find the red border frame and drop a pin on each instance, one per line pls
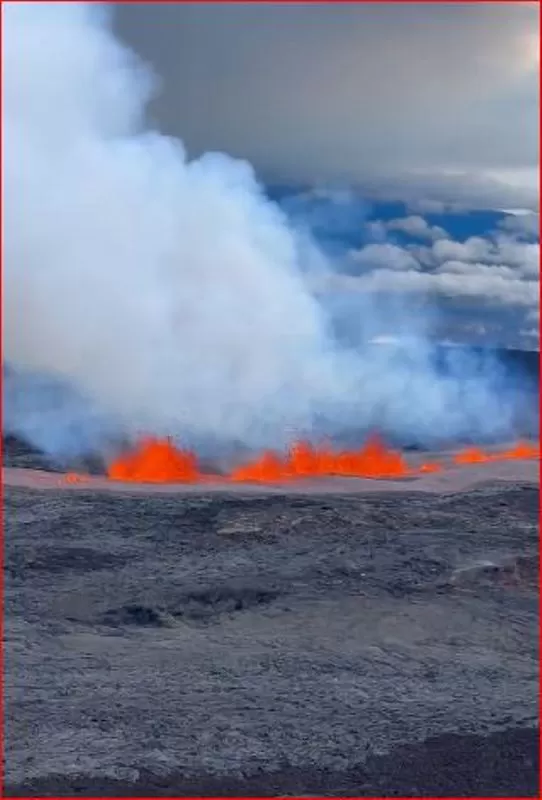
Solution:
(239, 2)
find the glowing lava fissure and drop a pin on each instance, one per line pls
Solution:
(155, 461)
(160, 461)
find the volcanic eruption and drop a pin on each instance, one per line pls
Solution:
(148, 290)
(160, 461)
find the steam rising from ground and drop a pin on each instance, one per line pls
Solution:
(169, 296)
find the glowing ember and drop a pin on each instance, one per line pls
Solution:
(159, 461)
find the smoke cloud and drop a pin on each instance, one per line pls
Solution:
(153, 293)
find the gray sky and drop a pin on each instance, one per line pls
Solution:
(427, 99)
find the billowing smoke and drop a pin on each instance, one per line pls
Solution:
(144, 292)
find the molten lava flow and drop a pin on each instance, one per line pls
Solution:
(374, 460)
(520, 450)
(267, 469)
(159, 461)
(471, 455)
(155, 461)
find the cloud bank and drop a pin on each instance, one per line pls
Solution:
(489, 283)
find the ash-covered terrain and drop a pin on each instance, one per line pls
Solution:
(363, 644)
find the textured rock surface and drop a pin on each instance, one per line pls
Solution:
(363, 644)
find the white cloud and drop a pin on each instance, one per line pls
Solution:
(473, 249)
(521, 224)
(482, 270)
(376, 256)
(417, 227)
(501, 250)
(487, 288)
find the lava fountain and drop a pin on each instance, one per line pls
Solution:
(161, 461)
(155, 461)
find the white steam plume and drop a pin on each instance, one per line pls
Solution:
(168, 293)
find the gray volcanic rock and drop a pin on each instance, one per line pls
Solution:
(227, 645)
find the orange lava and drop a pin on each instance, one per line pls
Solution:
(374, 460)
(471, 455)
(155, 461)
(267, 469)
(520, 450)
(159, 461)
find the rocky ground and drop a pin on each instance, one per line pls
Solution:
(213, 644)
